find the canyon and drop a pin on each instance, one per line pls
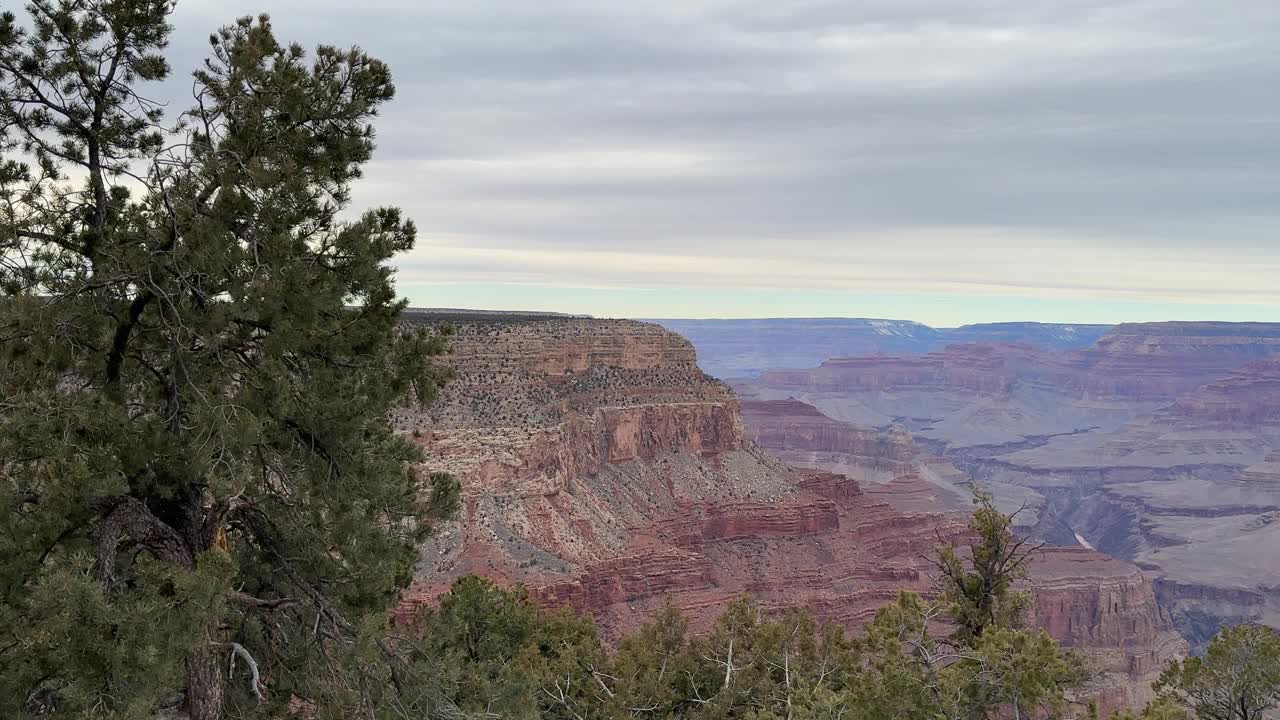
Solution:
(605, 471)
(1158, 444)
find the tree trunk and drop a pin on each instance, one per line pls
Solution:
(205, 683)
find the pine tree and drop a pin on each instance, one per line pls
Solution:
(1237, 678)
(199, 356)
(495, 654)
(653, 669)
(990, 665)
(978, 586)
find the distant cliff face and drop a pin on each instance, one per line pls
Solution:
(1241, 339)
(604, 470)
(989, 369)
(744, 348)
(1157, 445)
(1162, 361)
(1248, 397)
(1139, 363)
(800, 435)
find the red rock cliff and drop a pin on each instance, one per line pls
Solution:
(1107, 610)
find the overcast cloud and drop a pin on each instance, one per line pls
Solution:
(1125, 150)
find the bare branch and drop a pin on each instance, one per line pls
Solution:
(238, 650)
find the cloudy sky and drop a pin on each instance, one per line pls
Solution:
(945, 161)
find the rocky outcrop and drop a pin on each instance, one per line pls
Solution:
(601, 468)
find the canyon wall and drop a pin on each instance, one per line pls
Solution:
(605, 471)
(1163, 361)
(1248, 397)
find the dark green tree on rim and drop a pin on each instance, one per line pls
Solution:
(202, 502)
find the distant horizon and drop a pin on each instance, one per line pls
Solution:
(933, 310)
(557, 313)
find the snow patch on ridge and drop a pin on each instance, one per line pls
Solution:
(895, 327)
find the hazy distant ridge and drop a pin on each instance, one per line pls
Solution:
(742, 348)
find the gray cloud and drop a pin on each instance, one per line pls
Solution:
(819, 138)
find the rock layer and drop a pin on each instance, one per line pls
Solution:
(1106, 610)
(1248, 397)
(800, 435)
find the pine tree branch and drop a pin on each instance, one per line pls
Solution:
(263, 530)
(247, 600)
(43, 237)
(120, 341)
(127, 520)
